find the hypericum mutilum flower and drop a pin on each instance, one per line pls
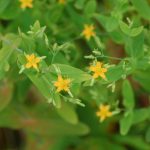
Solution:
(98, 70)
(88, 31)
(104, 112)
(26, 4)
(62, 84)
(32, 61)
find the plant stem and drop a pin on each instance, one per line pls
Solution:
(110, 57)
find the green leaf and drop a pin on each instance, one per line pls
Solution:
(12, 6)
(101, 19)
(136, 31)
(79, 4)
(140, 115)
(54, 14)
(109, 23)
(128, 95)
(6, 90)
(3, 5)
(125, 123)
(130, 31)
(142, 7)
(56, 101)
(140, 144)
(117, 36)
(124, 28)
(115, 73)
(135, 46)
(27, 43)
(112, 24)
(36, 26)
(68, 113)
(75, 74)
(42, 83)
(143, 78)
(138, 46)
(75, 17)
(6, 52)
(90, 8)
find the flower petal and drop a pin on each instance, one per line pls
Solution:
(28, 65)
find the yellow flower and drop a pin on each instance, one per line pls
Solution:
(88, 31)
(104, 112)
(98, 70)
(26, 4)
(32, 61)
(61, 1)
(62, 84)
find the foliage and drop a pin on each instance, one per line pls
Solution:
(76, 39)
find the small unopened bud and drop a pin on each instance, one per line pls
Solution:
(89, 57)
(96, 52)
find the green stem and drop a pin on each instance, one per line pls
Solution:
(110, 57)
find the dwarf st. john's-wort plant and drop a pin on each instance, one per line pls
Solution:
(75, 74)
